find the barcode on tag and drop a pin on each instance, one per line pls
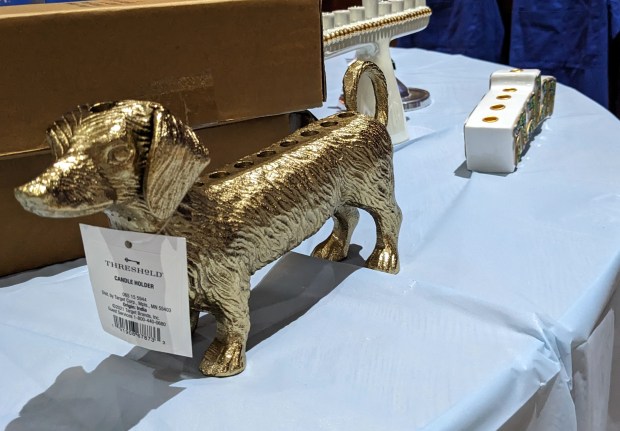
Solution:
(147, 332)
(140, 285)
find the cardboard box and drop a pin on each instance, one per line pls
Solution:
(215, 63)
(208, 61)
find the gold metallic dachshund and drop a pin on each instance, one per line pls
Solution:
(142, 167)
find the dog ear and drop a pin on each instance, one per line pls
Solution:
(175, 160)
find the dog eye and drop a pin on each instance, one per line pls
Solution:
(119, 154)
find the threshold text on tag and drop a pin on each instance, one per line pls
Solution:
(141, 287)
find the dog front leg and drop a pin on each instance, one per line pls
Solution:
(228, 296)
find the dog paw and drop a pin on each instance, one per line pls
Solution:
(331, 249)
(223, 359)
(384, 259)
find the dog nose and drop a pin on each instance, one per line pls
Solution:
(31, 195)
(32, 189)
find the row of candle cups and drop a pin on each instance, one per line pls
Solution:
(369, 9)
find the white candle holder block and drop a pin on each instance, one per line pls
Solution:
(500, 128)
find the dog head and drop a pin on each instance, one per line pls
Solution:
(116, 153)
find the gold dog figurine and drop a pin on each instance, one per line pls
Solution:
(142, 167)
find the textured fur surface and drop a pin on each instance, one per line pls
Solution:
(138, 163)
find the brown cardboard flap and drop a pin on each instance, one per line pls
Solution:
(208, 61)
(25, 153)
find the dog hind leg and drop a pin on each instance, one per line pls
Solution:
(336, 246)
(381, 205)
(384, 257)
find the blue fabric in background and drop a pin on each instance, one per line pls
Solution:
(470, 27)
(568, 39)
(22, 2)
(14, 2)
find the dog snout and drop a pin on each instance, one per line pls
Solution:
(39, 196)
(70, 188)
(32, 196)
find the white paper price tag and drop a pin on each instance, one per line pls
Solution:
(140, 286)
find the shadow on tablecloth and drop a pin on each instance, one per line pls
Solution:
(122, 390)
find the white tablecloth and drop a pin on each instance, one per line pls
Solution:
(502, 315)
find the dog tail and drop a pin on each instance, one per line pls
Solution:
(351, 82)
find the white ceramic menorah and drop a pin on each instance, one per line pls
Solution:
(368, 29)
